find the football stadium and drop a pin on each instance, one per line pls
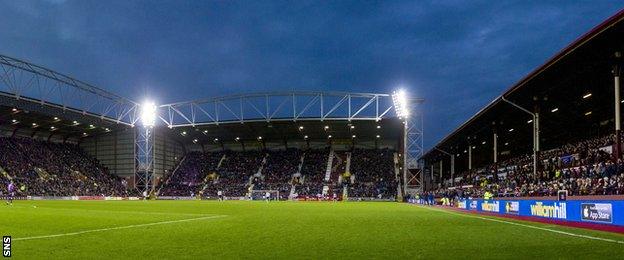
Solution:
(86, 173)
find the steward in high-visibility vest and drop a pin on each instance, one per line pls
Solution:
(488, 195)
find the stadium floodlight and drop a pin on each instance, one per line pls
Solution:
(400, 98)
(148, 113)
(378, 136)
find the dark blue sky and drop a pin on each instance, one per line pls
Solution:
(459, 55)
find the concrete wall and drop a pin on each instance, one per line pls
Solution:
(114, 150)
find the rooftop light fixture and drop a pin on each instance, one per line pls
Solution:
(399, 98)
(148, 113)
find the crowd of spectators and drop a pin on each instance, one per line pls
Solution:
(374, 173)
(310, 183)
(583, 168)
(190, 176)
(235, 173)
(278, 171)
(39, 168)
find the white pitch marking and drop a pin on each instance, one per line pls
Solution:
(115, 211)
(529, 226)
(116, 228)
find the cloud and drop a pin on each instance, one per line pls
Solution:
(458, 55)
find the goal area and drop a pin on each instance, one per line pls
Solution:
(261, 194)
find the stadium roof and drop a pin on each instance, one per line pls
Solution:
(386, 130)
(284, 116)
(37, 101)
(573, 92)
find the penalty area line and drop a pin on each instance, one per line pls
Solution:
(117, 228)
(529, 226)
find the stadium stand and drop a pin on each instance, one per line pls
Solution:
(52, 169)
(562, 115)
(190, 176)
(374, 173)
(583, 168)
(310, 183)
(245, 171)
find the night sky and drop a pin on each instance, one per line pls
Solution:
(458, 55)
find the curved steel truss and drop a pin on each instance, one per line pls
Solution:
(278, 106)
(26, 81)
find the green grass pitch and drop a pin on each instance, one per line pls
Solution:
(281, 230)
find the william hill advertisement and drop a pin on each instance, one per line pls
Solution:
(490, 206)
(608, 212)
(555, 210)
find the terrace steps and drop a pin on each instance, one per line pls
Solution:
(330, 160)
(171, 175)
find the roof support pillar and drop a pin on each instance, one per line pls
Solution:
(452, 170)
(535, 131)
(441, 172)
(618, 121)
(469, 156)
(536, 142)
(452, 165)
(495, 147)
(431, 177)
